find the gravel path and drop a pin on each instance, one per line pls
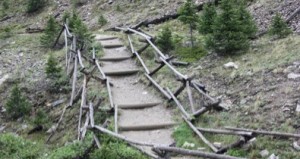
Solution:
(127, 90)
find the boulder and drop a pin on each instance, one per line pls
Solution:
(293, 76)
(264, 153)
(231, 65)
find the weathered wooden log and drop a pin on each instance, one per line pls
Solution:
(80, 60)
(156, 49)
(263, 132)
(212, 147)
(84, 128)
(146, 127)
(66, 47)
(58, 37)
(120, 58)
(109, 94)
(145, 152)
(100, 69)
(201, 111)
(179, 63)
(94, 54)
(194, 153)
(173, 69)
(190, 95)
(142, 62)
(74, 81)
(157, 69)
(202, 92)
(179, 89)
(130, 44)
(121, 72)
(91, 113)
(241, 141)
(83, 103)
(179, 105)
(138, 105)
(166, 94)
(142, 49)
(116, 118)
(226, 132)
(293, 15)
(123, 138)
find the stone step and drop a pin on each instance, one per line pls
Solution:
(120, 58)
(146, 126)
(138, 105)
(105, 37)
(115, 43)
(121, 72)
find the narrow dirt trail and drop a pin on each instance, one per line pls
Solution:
(142, 114)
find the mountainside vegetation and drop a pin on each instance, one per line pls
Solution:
(244, 53)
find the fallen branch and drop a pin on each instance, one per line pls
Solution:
(194, 153)
(200, 135)
(238, 143)
(226, 132)
(262, 132)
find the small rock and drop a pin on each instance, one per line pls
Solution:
(188, 145)
(296, 145)
(273, 157)
(199, 68)
(145, 93)
(231, 65)
(293, 76)
(243, 101)
(264, 153)
(2, 128)
(217, 144)
(52, 129)
(298, 107)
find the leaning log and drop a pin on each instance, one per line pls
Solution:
(226, 132)
(83, 103)
(293, 15)
(262, 132)
(166, 94)
(241, 141)
(179, 105)
(200, 135)
(194, 153)
(123, 138)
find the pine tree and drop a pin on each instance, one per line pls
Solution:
(35, 5)
(279, 27)
(17, 106)
(188, 15)
(50, 33)
(101, 20)
(232, 29)
(164, 40)
(79, 28)
(207, 19)
(53, 71)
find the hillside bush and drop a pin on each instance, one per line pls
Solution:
(232, 28)
(15, 147)
(17, 105)
(207, 19)
(50, 33)
(58, 81)
(279, 27)
(188, 15)
(35, 5)
(115, 149)
(101, 20)
(165, 40)
(189, 54)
